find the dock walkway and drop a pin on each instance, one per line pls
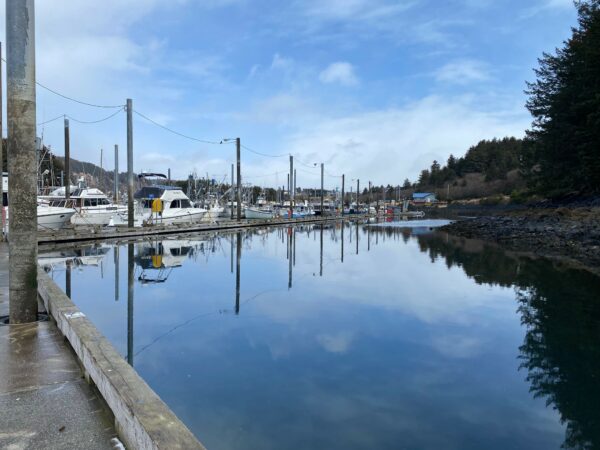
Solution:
(83, 234)
(44, 400)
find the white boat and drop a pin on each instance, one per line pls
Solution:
(92, 206)
(53, 217)
(174, 206)
(48, 217)
(258, 213)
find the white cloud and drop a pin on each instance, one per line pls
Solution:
(353, 9)
(339, 72)
(391, 144)
(463, 72)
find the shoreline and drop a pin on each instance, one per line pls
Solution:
(568, 233)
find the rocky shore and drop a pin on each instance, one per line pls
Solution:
(567, 232)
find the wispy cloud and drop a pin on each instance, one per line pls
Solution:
(339, 72)
(463, 72)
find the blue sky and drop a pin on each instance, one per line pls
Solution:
(375, 89)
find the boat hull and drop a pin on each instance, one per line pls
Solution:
(258, 214)
(54, 218)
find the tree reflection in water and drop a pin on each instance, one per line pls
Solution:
(560, 309)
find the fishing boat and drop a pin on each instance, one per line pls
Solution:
(258, 213)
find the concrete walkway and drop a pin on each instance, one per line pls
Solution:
(44, 401)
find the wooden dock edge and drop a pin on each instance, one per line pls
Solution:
(142, 419)
(105, 234)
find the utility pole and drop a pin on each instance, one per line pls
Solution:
(322, 175)
(343, 192)
(357, 195)
(130, 219)
(231, 192)
(22, 183)
(239, 179)
(67, 160)
(116, 180)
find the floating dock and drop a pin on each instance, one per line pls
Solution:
(86, 234)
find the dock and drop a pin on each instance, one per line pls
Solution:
(87, 234)
(45, 402)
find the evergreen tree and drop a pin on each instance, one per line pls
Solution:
(563, 146)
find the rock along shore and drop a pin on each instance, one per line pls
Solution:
(567, 232)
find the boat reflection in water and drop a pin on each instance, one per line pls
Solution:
(348, 335)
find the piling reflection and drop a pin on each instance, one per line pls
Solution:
(130, 288)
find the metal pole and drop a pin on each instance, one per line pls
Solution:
(239, 179)
(343, 192)
(291, 186)
(357, 195)
(67, 160)
(116, 180)
(294, 185)
(22, 183)
(130, 272)
(130, 219)
(322, 175)
(231, 192)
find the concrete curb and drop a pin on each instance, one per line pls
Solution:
(142, 419)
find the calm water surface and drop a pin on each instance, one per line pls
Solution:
(351, 337)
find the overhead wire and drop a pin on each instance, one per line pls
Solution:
(93, 105)
(204, 141)
(263, 154)
(95, 121)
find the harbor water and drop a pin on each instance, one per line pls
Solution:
(350, 336)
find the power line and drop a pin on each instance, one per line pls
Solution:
(96, 121)
(71, 98)
(51, 120)
(263, 154)
(313, 166)
(267, 175)
(75, 100)
(173, 131)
